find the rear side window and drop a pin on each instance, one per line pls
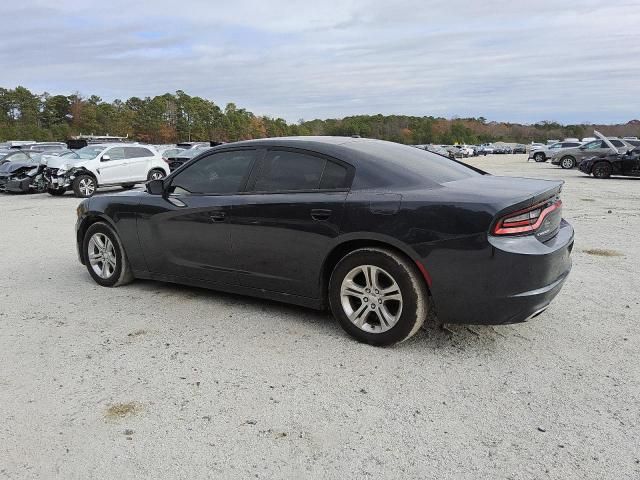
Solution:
(220, 173)
(116, 153)
(294, 171)
(137, 152)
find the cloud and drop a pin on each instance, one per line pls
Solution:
(570, 61)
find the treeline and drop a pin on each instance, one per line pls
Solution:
(176, 117)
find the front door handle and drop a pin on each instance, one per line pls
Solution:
(217, 216)
(320, 214)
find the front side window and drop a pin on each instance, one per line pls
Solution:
(556, 145)
(595, 144)
(116, 153)
(220, 173)
(617, 143)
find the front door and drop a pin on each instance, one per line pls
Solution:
(187, 232)
(284, 226)
(113, 166)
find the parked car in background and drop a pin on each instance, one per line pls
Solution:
(46, 147)
(183, 156)
(485, 149)
(520, 148)
(376, 231)
(166, 153)
(439, 150)
(16, 155)
(103, 165)
(626, 164)
(543, 153)
(24, 173)
(570, 157)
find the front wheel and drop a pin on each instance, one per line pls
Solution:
(567, 162)
(155, 174)
(601, 170)
(84, 186)
(104, 256)
(378, 296)
(539, 157)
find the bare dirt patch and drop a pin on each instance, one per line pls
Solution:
(603, 252)
(122, 410)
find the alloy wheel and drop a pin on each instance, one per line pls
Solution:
(567, 162)
(156, 176)
(371, 299)
(87, 186)
(102, 255)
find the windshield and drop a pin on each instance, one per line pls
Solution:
(69, 155)
(89, 152)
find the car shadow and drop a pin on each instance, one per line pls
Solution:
(432, 334)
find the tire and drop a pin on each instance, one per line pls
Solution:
(56, 192)
(84, 186)
(155, 174)
(539, 157)
(400, 317)
(567, 162)
(601, 170)
(111, 270)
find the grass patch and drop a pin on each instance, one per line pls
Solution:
(603, 252)
(122, 410)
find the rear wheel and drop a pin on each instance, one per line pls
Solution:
(378, 296)
(104, 256)
(567, 162)
(84, 186)
(601, 170)
(155, 174)
(539, 157)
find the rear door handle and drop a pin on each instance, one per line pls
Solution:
(217, 216)
(320, 214)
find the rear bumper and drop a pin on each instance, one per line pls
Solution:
(512, 281)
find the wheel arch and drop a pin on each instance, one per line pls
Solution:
(89, 219)
(352, 243)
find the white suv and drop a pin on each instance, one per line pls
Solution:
(103, 165)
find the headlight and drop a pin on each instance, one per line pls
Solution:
(33, 171)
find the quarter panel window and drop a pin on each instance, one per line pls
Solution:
(220, 173)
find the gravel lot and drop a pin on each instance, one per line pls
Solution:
(160, 381)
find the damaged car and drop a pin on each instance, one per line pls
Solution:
(103, 165)
(625, 162)
(23, 175)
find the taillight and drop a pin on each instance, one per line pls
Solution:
(525, 221)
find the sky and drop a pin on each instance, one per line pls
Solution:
(562, 60)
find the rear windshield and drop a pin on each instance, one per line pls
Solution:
(406, 166)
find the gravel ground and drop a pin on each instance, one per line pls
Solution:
(160, 381)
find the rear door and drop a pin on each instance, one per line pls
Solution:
(187, 234)
(139, 163)
(284, 225)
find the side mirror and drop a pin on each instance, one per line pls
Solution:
(105, 158)
(155, 187)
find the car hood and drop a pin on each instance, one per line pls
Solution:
(57, 162)
(11, 167)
